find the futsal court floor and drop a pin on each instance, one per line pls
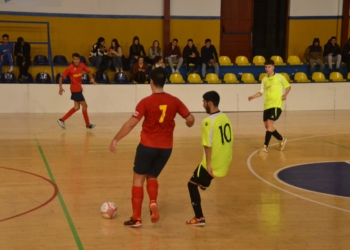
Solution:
(53, 182)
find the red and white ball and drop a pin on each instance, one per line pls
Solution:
(108, 210)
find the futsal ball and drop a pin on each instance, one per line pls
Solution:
(108, 210)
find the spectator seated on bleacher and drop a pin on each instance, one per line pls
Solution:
(154, 51)
(22, 53)
(159, 62)
(191, 56)
(313, 54)
(135, 51)
(346, 55)
(209, 56)
(6, 50)
(139, 71)
(115, 53)
(332, 53)
(173, 56)
(99, 55)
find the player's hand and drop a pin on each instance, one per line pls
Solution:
(23, 63)
(61, 91)
(93, 81)
(210, 170)
(250, 98)
(284, 97)
(189, 123)
(113, 146)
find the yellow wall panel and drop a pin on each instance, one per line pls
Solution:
(302, 33)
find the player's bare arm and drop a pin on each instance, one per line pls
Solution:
(60, 84)
(189, 120)
(125, 129)
(207, 151)
(284, 97)
(92, 79)
(254, 96)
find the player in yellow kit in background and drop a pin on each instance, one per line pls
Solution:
(217, 141)
(273, 86)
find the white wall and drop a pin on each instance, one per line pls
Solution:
(117, 7)
(44, 98)
(316, 8)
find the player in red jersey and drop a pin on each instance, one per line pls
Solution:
(154, 150)
(75, 71)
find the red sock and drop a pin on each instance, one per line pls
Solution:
(136, 200)
(86, 118)
(152, 189)
(70, 112)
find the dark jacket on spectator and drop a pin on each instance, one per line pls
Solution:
(95, 51)
(329, 48)
(136, 50)
(188, 51)
(313, 51)
(24, 50)
(209, 54)
(346, 50)
(169, 51)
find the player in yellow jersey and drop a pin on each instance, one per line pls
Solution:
(217, 141)
(275, 89)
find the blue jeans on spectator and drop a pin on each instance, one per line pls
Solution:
(7, 59)
(117, 63)
(204, 69)
(96, 61)
(132, 62)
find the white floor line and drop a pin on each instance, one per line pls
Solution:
(286, 191)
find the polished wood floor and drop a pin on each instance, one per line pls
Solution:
(53, 182)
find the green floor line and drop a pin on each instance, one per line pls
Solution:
(63, 205)
(337, 145)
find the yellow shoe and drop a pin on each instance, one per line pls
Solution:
(263, 150)
(283, 143)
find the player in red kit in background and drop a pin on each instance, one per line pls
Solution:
(75, 71)
(154, 150)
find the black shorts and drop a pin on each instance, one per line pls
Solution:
(272, 114)
(150, 160)
(77, 96)
(203, 178)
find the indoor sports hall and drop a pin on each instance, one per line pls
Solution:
(53, 181)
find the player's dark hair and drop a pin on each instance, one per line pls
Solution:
(269, 62)
(207, 40)
(158, 76)
(190, 40)
(175, 39)
(5, 35)
(75, 55)
(212, 96)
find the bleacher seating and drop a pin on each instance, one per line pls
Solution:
(286, 76)
(102, 78)
(43, 77)
(29, 78)
(301, 77)
(230, 78)
(242, 61)
(259, 60)
(336, 77)
(82, 59)
(40, 60)
(278, 60)
(121, 78)
(212, 78)
(194, 78)
(248, 78)
(60, 60)
(318, 77)
(176, 78)
(261, 76)
(225, 61)
(7, 77)
(294, 60)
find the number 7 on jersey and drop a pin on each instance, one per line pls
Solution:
(163, 109)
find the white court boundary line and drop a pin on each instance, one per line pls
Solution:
(286, 191)
(275, 175)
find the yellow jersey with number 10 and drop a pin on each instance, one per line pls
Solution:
(217, 133)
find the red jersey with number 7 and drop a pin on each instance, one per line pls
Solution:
(159, 110)
(75, 74)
